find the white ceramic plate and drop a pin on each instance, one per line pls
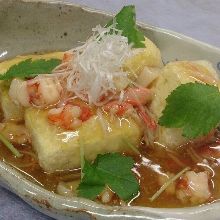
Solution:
(36, 27)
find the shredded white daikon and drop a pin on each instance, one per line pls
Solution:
(96, 64)
(121, 97)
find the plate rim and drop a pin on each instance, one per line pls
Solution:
(139, 23)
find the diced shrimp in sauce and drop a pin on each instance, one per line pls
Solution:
(193, 187)
(134, 98)
(40, 92)
(70, 116)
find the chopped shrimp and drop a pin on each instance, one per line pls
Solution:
(70, 116)
(193, 187)
(133, 98)
(117, 108)
(40, 92)
(147, 119)
(136, 96)
(44, 91)
(139, 97)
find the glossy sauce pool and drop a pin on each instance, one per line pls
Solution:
(152, 163)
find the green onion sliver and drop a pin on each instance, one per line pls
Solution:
(165, 185)
(10, 146)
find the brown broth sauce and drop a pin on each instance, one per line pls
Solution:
(34, 172)
(148, 167)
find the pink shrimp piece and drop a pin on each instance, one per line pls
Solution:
(117, 108)
(193, 187)
(69, 117)
(44, 91)
(39, 92)
(136, 96)
(139, 97)
(133, 98)
(149, 121)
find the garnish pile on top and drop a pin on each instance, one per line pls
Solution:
(91, 72)
(97, 65)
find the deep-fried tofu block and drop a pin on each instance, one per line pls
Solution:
(58, 149)
(143, 57)
(173, 75)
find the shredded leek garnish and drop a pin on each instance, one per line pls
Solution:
(165, 185)
(10, 146)
(133, 148)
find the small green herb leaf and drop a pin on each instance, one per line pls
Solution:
(194, 107)
(126, 22)
(91, 185)
(30, 68)
(110, 169)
